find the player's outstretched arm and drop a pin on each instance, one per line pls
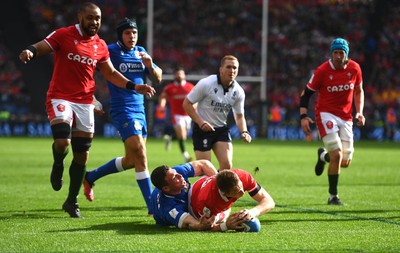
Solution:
(265, 204)
(200, 225)
(203, 167)
(38, 49)
(112, 75)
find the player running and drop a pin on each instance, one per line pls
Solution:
(78, 51)
(338, 82)
(127, 110)
(175, 93)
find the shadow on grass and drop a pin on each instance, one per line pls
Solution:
(127, 228)
(55, 212)
(343, 215)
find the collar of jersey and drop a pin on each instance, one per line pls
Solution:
(219, 82)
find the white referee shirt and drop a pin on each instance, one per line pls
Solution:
(215, 103)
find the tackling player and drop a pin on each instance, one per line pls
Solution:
(338, 82)
(78, 50)
(170, 198)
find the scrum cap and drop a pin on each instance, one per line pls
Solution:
(125, 24)
(340, 44)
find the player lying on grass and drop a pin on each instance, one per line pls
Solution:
(170, 199)
(214, 195)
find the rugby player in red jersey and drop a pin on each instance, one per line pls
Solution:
(78, 51)
(214, 196)
(338, 82)
(175, 93)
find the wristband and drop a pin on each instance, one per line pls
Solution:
(223, 227)
(130, 85)
(33, 50)
(202, 125)
(303, 116)
(245, 132)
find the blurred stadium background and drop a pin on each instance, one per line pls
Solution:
(196, 34)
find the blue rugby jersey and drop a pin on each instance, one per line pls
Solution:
(129, 63)
(171, 210)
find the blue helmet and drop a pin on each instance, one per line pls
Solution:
(340, 44)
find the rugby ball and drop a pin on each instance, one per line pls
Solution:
(252, 225)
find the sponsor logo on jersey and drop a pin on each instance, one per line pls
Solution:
(130, 67)
(340, 87)
(82, 59)
(220, 107)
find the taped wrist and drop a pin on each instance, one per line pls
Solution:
(33, 50)
(305, 98)
(130, 85)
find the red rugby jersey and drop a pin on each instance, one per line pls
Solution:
(336, 88)
(75, 60)
(206, 199)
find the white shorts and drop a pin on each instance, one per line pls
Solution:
(329, 123)
(79, 116)
(182, 120)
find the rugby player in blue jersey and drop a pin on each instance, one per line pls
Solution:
(127, 110)
(169, 200)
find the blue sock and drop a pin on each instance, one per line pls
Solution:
(143, 180)
(104, 170)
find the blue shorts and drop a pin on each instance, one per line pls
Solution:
(203, 141)
(129, 123)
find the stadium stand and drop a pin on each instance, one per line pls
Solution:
(197, 33)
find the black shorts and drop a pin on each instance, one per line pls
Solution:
(203, 141)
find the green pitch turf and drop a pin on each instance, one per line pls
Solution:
(31, 219)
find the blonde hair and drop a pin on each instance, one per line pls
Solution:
(228, 58)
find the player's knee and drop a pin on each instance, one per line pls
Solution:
(348, 151)
(129, 162)
(345, 163)
(61, 131)
(61, 145)
(335, 155)
(81, 144)
(332, 142)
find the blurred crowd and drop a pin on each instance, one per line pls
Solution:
(14, 98)
(196, 34)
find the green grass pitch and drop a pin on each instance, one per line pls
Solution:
(31, 219)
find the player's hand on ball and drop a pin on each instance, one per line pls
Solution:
(252, 225)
